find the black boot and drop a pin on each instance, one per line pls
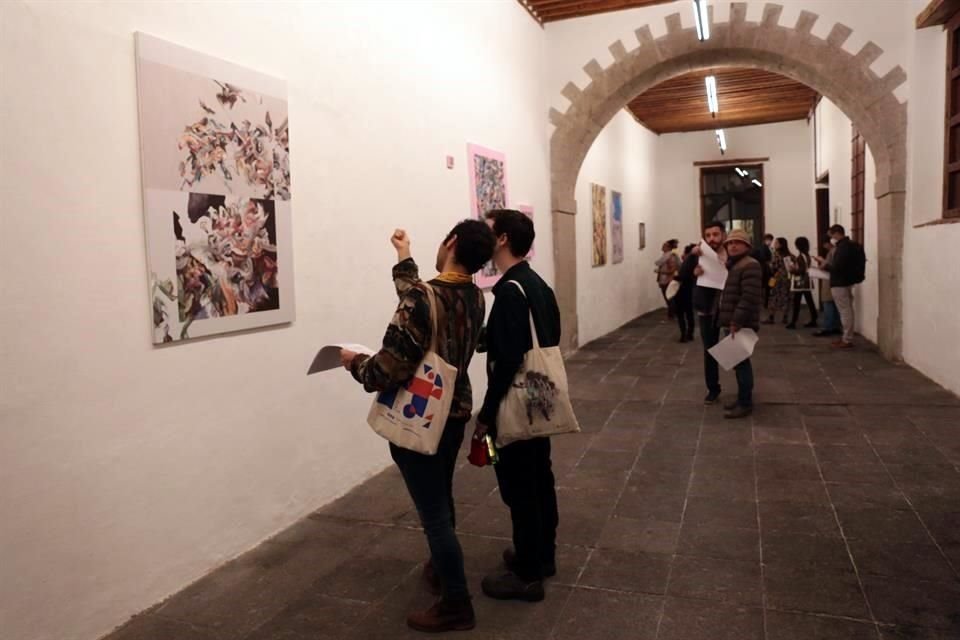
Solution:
(510, 586)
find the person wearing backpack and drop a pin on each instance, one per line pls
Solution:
(524, 470)
(847, 268)
(451, 306)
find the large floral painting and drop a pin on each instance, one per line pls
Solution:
(215, 150)
(488, 191)
(599, 199)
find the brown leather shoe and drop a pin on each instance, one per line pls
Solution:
(431, 579)
(444, 616)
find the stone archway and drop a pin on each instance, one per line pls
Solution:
(846, 79)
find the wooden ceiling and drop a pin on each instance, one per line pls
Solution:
(746, 96)
(552, 10)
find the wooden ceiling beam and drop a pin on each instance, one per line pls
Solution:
(937, 12)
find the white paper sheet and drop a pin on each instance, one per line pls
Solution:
(714, 271)
(818, 274)
(734, 349)
(329, 356)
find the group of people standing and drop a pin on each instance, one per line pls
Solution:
(768, 281)
(787, 284)
(524, 470)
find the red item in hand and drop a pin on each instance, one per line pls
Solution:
(479, 451)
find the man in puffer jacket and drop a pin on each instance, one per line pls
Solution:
(740, 306)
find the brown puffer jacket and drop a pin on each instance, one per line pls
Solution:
(743, 295)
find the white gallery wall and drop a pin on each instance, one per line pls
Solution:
(931, 285)
(127, 471)
(790, 209)
(621, 159)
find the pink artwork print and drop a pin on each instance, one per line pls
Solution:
(488, 190)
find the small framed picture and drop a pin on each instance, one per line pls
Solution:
(643, 236)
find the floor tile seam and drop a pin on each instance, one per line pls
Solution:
(193, 626)
(756, 496)
(956, 465)
(372, 608)
(913, 509)
(843, 534)
(683, 512)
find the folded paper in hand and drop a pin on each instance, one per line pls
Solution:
(734, 349)
(329, 357)
(714, 272)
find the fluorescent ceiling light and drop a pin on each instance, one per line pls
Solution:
(722, 141)
(702, 19)
(712, 102)
(741, 172)
(757, 182)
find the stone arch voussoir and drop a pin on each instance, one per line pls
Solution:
(793, 51)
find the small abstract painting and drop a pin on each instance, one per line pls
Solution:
(488, 191)
(643, 236)
(527, 210)
(616, 227)
(599, 199)
(215, 154)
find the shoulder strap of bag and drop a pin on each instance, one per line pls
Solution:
(434, 321)
(533, 328)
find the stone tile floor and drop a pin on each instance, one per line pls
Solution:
(834, 513)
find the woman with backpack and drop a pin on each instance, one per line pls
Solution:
(801, 284)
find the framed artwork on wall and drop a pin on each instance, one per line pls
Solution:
(616, 227)
(599, 200)
(488, 190)
(214, 145)
(528, 211)
(643, 236)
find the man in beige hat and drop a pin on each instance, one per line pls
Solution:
(740, 309)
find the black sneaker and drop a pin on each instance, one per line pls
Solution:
(811, 325)
(510, 562)
(738, 412)
(791, 326)
(510, 586)
(712, 397)
(730, 406)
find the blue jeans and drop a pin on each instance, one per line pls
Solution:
(429, 480)
(831, 317)
(710, 334)
(744, 373)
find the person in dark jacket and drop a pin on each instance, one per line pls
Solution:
(846, 268)
(705, 302)
(524, 471)
(740, 309)
(683, 300)
(764, 255)
(801, 284)
(429, 479)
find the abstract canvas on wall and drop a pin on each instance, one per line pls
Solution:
(527, 210)
(215, 147)
(643, 236)
(616, 227)
(488, 190)
(599, 199)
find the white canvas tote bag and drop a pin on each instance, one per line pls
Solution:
(538, 402)
(414, 416)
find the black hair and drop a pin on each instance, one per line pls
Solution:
(687, 249)
(784, 249)
(768, 236)
(838, 228)
(715, 223)
(518, 228)
(475, 243)
(803, 245)
(674, 243)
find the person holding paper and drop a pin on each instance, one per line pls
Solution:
(801, 284)
(740, 309)
(705, 301)
(429, 479)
